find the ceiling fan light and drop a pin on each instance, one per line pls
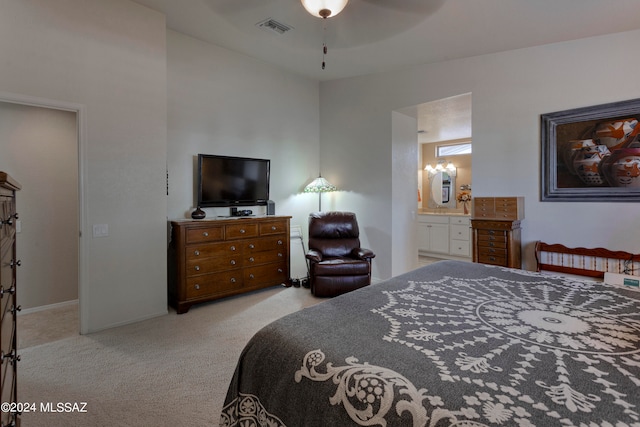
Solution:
(324, 8)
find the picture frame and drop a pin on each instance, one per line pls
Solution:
(591, 153)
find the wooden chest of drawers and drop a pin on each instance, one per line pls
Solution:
(8, 308)
(211, 259)
(506, 208)
(496, 230)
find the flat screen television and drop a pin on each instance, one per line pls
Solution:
(232, 181)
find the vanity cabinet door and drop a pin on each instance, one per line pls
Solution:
(433, 234)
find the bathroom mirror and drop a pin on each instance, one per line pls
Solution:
(442, 192)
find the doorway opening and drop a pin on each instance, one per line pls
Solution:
(444, 178)
(41, 145)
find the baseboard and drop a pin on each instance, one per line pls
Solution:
(128, 322)
(47, 307)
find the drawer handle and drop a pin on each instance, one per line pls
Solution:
(252, 246)
(242, 231)
(233, 248)
(13, 357)
(196, 253)
(233, 280)
(3, 291)
(491, 244)
(492, 258)
(197, 268)
(492, 232)
(251, 276)
(205, 234)
(279, 270)
(279, 254)
(251, 259)
(197, 287)
(274, 228)
(233, 262)
(279, 242)
(9, 221)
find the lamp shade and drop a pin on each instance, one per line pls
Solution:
(319, 185)
(324, 8)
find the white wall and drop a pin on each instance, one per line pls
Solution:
(40, 146)
(110, 58)
(225, 103)
(404, 241)
(510, 92)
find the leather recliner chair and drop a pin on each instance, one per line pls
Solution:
(337, 263)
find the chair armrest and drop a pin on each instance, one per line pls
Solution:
(313, 255)
(363, 253)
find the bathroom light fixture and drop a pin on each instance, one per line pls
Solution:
(440, 167)
(319, 185)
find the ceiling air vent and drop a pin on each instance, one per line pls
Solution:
(274, 26)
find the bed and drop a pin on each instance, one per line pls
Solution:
(449, 344)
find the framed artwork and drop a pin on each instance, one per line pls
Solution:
(591, 153)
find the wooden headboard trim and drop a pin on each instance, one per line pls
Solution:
(586, 262)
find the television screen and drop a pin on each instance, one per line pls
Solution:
(232, 181)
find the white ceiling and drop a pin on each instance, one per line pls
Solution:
(372, 36)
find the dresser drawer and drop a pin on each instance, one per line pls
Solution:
(211, 265)
(269, 273)
(275, 227)
(200, 251)
(501, 208)
(240, 231)
(496, 235)
(208, 234)
(507, 208)
(212, 284)
(499, 244)
(483, 207)
(265, 244)
(8, 326)
(263, 257)
(8, 387)
(495, 259)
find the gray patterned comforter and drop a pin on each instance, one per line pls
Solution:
(449, 344)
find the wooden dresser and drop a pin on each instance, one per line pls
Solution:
(211, 259)
(8, 284)
(495, 225)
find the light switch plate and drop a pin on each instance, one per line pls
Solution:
(100, 230)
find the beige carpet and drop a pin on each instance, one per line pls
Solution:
(169, 371)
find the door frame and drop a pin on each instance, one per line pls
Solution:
(81, 115)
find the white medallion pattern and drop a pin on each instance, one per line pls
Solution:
(515, 344)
